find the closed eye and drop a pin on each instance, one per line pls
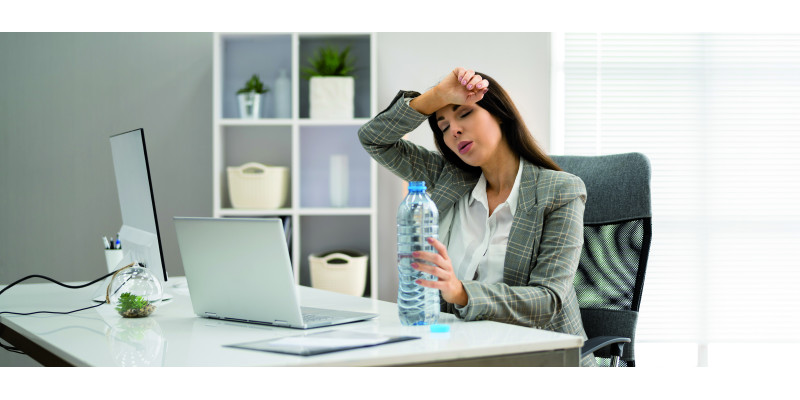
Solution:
(464, 115)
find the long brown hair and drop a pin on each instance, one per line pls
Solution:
(498, 103)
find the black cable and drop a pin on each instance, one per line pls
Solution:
(18, 351)
(57, 282)
(12, 349)
(52, 312)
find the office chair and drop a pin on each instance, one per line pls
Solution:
(617, 232)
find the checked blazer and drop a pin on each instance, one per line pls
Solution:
(546, 236)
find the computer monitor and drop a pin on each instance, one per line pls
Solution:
(139, 236)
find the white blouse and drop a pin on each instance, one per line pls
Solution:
(475, 241)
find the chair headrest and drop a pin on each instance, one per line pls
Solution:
(617, 185)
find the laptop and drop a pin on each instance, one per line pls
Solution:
(238, 269)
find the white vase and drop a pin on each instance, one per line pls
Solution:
(331, 97)
(249, 105)
(339, 182)
(283, 96)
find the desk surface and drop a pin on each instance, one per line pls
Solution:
(174, 336)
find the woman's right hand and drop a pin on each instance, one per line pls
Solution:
(461, 86)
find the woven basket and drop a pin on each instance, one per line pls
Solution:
(339, 271)
(255, 185)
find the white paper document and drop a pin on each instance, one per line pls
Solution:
(321, 342)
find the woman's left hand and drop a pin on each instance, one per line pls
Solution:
(451, 288)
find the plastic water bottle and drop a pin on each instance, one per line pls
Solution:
(417, 220)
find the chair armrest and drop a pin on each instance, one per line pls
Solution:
(597, 343)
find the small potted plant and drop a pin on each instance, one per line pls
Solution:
(132, 306)
(250, 97)
(331, 84)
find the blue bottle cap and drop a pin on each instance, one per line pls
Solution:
(416, 186)
(440, 328)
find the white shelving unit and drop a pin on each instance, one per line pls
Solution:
(300, 143)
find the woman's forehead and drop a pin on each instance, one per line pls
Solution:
(446, 110)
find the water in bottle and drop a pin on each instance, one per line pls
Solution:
(417, 220)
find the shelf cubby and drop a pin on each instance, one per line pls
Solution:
(246, 54)
(317, 144)
(269, 145)
(360, 51)
(325, 233)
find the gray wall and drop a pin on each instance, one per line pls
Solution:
(61, 96)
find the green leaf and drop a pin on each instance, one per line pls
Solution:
(128, 301)
(329, 61)
(254, 84)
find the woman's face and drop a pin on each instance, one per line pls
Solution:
(470, 132)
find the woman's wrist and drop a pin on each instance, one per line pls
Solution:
(461, 297)
(428, 102)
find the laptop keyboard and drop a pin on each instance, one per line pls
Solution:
(307, 318)
(320, 314)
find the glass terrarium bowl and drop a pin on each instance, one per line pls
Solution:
(135, 292)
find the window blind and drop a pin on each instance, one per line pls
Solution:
(718, 115)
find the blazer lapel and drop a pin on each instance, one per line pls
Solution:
(525, 229)
(452, 185)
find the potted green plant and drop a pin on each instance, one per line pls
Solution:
(331, 83)
(132, 306)
(250, 97)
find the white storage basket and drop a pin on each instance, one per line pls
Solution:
(339, 271)
(255, 185)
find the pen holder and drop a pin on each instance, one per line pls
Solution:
(113, 259)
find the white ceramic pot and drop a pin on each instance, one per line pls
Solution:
(249, 105)
(332, 97)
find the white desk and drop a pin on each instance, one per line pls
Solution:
(173, 336)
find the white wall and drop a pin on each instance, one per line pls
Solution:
(520, 62)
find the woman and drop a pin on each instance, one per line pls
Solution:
(510, 223)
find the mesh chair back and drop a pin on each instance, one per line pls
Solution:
(617, 235)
